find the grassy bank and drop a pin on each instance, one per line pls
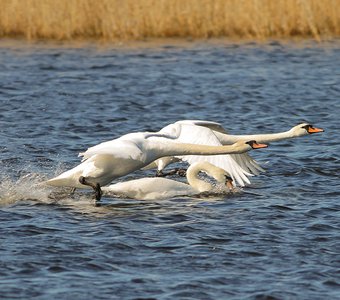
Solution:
(137, 19)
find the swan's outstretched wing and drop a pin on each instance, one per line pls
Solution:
(246, 162)
(226, 162)
(122, 148)
(209, 124)
(189, 132)
(129, 145)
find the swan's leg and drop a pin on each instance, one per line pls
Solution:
(164, 174)
(96, 187)
(160, 173)
(177, 171)
(182, 172)
(72, 191)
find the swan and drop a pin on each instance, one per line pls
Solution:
(163, 188)
(112, 159)
(213, 133)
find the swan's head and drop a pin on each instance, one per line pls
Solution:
(228, 181)
(304, 129)
(221, 176)
(244, 146)
(254, 145)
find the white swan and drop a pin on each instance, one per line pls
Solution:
(163, 188)
(109, 160)
(212, 133)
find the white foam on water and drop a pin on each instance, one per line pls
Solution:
(27, 187)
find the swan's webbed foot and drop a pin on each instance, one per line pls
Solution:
(181, 172)
(96, 187)
(160, 173)
(177, 171)
(164, 174)
(71, 194)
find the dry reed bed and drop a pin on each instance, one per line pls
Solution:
(137, 19)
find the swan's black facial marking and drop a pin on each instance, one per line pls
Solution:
(229, 182)
(307, 127)
(251, 143)
(228, 178)
(254, 145)
(311, 129)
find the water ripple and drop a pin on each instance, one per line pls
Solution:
(276, 239)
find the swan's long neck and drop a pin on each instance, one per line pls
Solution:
(227, 139)
(196, 183)
(174, 149)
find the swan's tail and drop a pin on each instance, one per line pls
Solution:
(57, 181)
(66, 182)
(67, 178)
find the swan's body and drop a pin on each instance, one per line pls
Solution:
(163, 188)
(212, 133)
(110, 160)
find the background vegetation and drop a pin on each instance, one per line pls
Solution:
(138, 19)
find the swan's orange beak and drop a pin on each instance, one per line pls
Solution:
(258, 146)
(229, 184)
(312, 129)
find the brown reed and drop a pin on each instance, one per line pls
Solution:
(138, 19)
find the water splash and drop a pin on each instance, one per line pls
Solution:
(28, 187)
(31, 187)
(223, 189)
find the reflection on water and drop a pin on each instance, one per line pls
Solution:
(275, 239)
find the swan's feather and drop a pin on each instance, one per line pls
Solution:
(246, 162)
(150, 189)
(192, 134)
(127, 146)
(188, 132)
(131, 150)
(225, 162)
(209, 124)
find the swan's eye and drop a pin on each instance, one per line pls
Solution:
(250, 143)
(308, 126)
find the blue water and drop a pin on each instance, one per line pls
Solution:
(276, 239)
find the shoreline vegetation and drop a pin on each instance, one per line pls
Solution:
(112, 20)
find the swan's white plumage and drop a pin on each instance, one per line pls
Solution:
(132, 143)
(149, 189)
(208, 133)
(296, 131)
(109, 160)
(239, 167)
(163, 188)
(208, 124)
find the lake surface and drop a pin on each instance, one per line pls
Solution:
(275, 239)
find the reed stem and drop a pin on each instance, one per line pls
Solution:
(137, 19)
